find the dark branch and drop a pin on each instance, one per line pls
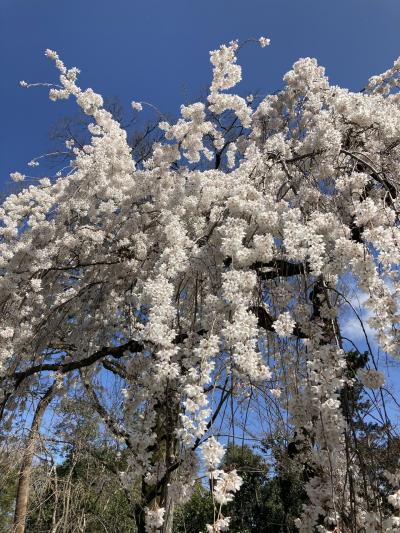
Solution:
(266, 322)
(64, 367)
(278, 268)
(274, 269)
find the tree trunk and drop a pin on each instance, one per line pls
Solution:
(140, 520)
(21, 504)
(169, 517)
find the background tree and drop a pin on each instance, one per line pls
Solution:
(264, 502)
(8, 487)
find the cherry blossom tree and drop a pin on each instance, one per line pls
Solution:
(212, 274)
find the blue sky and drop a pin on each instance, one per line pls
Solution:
(158, 51)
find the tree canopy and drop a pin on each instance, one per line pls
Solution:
(196, 297)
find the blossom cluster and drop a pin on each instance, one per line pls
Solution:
(371, 378)
(154, 519)
(224, 484)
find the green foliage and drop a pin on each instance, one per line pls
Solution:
(194, 515)
(8, 489)
(265, 503)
